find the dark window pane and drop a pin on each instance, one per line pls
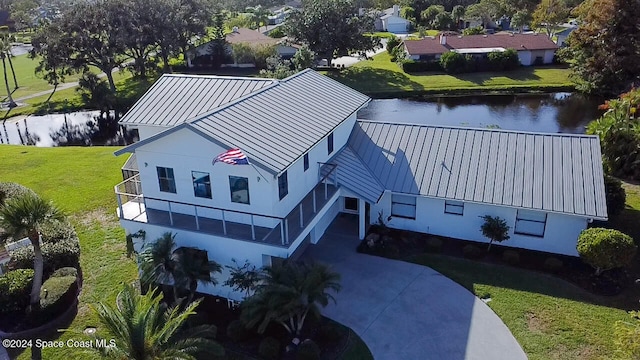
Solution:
(351, 204)
(306, 162)
(330, 144)
(166, 180)
(201, 184)
(283, 185)
(239, 187)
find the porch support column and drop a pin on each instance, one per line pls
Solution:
(361, 219)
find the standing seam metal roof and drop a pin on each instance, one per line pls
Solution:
(353, 175)
(175, 98)
(548, 172)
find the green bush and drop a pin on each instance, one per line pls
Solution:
(503, 61)
(56, 295)
(58, 230)
(15, 289)
(616, 196)
(434, 244)
(412, 66)
(605, 249)
(56, 255)
(277, 33)
(308, 350)
(472, 252)
(478, 30)
(552, 264)
(452, 62)
(10, 190)
(237, 331)
(511, 257)
(65, 271)
(269, 348)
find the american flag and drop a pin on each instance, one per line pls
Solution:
(232, 157)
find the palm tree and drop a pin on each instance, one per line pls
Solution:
(4, 32)
(458, 13)
(142, 328)
(191, 270)
(23, 216)
(5, 48)
(288, 294)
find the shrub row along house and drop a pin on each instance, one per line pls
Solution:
(532, 49)
(310, 158)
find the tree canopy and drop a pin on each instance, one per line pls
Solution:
(331, 28)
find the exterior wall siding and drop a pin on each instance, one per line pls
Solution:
(561, 232)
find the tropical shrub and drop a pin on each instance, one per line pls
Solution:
(10, 190)
(269, 348)
(308, 350)
(605, 249)
(616, 196)
(503, 60)
(243, 278)
(511, 257)
(478, 30)
(237, 331)
(495, 229)
(453, 62)
(56, 295)
(277, 33)
(64, 253)
(627, 337)
(65, 271)
(15, 288)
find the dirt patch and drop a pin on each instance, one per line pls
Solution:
(584, 352)
(538, 323)
(98, 216)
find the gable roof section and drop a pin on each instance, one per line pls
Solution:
(251, 37)
(277, 124)
(519, 42)
(175, 98)
(559, 173)
(355, 176)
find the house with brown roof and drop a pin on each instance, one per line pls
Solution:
(533, 49)
(252, 38)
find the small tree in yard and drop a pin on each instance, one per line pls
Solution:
(243, 278)
(495, 229)
(605, 249)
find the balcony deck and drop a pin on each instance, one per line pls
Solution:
(293, 224)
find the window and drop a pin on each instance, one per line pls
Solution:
(283, 185)
(330, 144)
(530, 223)
(350, 204)
(306, 162)
(201, 184)
(166, 179)
(403, 206)
(239, 187)
(199, 260)
(454, 207)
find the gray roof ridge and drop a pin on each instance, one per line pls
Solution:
(373, 175)
(310, 70)
(214, 76)
(479, 129)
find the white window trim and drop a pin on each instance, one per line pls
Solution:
(414, 205)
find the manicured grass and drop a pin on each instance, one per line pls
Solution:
(80, 181)
(379, 77)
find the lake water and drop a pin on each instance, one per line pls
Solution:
(554, 113)
(83, 128)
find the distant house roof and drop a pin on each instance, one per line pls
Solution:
(277, 124)
(175, 98)
(566, 31)
(250, 37)
(548, 172)
(518, 42)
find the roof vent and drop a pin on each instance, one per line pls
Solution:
(459, 36)
(235, 29)
(522, 46)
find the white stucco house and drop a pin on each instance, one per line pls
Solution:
(312, 159)
(391, 21)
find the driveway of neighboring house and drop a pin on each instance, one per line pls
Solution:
(346, 61)
(408, 311)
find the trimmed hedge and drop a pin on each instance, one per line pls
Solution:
(308, 350)
(64, 253)
(15, 290)
(605, 249)
(65, 271)
(412, 66)
(269, 348)
(455, 63)
(10, 190)
(56, 295)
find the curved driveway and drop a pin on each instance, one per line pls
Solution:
(408, 311)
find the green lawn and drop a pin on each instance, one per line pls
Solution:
(379, 77)
(81, 181)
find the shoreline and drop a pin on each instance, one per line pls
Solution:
(460, 92)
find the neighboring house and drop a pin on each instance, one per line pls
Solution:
(278, 15)
(253, 38)
(533, 49)
(391, 21)
(561, 36)
(473, 23)
(312, 159)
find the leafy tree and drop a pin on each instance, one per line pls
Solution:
(218, 43)
(603, 51)
(616, 195)
(550, 14)
(303, 58)
(520, 19)
(408, 13)
(495, 229)
(245, 277)
(443, 21)
(25, 216)
(143, 328)
(478, 30)
(458, 13)
(288, 294)
(605, 249)
(53, 54)
(392, 44)
(95, 93)
(330, 28)
(452, 62)
(486, 11)
(428, 15)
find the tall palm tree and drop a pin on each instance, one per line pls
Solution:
(5, 48)
(10, 38)
(23, 216)
(288, 294)
(143, 328)
(192, 270)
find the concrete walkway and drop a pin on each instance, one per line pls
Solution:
(408, 311)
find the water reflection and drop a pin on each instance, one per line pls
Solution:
(84, 128)
(558, 112)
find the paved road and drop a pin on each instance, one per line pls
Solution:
(407, 311)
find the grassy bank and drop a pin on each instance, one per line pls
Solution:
(80, 181)
(380, 78)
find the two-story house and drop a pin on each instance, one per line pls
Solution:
(311, 158)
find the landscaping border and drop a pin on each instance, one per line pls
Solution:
(431, 93)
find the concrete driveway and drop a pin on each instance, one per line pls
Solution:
(407, 311)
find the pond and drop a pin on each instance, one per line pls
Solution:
(554, 113)
(84, 128)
